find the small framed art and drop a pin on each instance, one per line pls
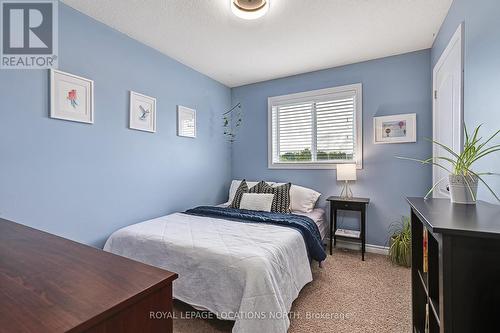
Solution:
(186, 122)
(71, 97)
(142, 112)
(400, 128)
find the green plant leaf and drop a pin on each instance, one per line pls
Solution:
(431, 159)
(423, 162)
(466, 133)
(490, 138)
(486, 152)
(434, 186)
(444, 147)
(489, 188)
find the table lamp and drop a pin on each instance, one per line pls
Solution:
(346, 172)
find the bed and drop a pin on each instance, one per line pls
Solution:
(318, 216)
(238, 269)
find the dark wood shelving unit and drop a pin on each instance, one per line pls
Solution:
(425, 285)
(462, 284)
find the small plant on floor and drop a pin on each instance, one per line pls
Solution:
(400, 242)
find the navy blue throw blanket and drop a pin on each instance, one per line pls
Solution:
(303, 224)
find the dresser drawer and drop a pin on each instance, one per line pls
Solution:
(348, 205)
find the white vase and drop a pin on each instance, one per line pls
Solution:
(461, 188)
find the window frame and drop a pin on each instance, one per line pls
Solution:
(316, 95)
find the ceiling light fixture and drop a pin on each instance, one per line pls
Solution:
(249, 9)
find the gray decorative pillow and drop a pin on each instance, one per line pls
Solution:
(243, 188)
(281, 201)
(258, 187)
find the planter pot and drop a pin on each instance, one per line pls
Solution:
(460, 189)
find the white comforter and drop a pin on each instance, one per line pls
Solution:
(235, 270)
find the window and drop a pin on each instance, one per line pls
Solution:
(316, 129)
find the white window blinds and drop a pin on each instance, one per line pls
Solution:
(335, 129)
(319, 129)
(295, 131)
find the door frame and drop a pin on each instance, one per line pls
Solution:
(458, 37)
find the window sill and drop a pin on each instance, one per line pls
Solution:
(309, 166)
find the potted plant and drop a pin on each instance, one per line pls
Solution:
(400, 242)
(463, 181)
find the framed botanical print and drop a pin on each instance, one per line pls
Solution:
(400, 128)
(142, 112)
(71, 97)
(186, 122)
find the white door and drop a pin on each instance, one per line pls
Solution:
(448, 108)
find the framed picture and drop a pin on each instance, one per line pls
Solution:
(71, 97)
(142, 112)
(395, 129)
(186, 122)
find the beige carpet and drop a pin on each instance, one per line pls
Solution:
(347, 295)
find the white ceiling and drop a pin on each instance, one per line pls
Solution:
(296, 36)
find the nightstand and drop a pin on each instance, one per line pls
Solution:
(353, 204)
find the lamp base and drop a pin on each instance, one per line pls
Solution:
(346, 191)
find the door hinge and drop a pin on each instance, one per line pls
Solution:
(435, 94)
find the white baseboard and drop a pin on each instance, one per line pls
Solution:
(357, 246)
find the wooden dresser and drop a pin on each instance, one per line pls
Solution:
(461, 285)
(52, 284)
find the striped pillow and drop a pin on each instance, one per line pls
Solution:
(242, 189)
(281, 201)
(258, 187)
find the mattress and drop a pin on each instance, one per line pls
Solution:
(318, 216)
(235, 270)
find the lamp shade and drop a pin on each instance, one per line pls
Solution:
(346, 172)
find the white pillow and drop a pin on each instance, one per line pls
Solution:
(234, 187)
(257, 201)
(303, 199)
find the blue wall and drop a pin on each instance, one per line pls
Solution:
(85, 181)
(394, 85)
(482, 72)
